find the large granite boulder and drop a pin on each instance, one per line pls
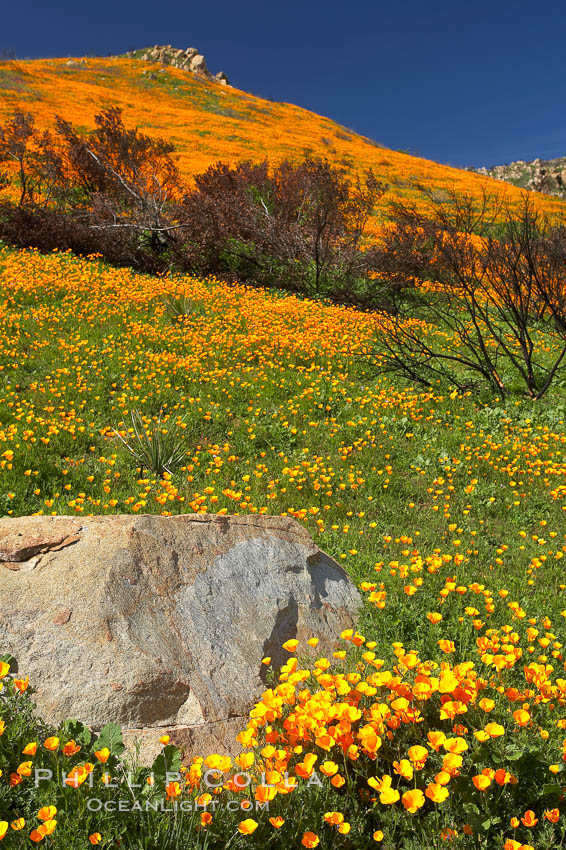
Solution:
(162, 622)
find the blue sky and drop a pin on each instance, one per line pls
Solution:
(463, 83)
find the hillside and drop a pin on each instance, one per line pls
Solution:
(209, 120)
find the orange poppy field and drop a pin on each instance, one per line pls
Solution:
(207, 122)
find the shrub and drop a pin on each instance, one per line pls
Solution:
(49, 230)
(108, 191)
(299, 227)
(488, 300)
(117, 192)
(127, 179)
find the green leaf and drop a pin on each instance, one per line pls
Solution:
(168, 761)
(514, 754)
(76, 731)
(111, 737)
(478, 821)
(551, 788)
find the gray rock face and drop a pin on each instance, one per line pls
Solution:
(157, 622)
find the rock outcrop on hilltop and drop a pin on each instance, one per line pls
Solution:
(188, 59)
(547, 176)
(161, 623)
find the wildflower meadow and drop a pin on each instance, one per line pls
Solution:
(441, 720)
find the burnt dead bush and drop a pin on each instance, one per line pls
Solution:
(117, 192)
(488, 294)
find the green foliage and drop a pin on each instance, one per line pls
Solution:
(110, 737)
(178, 307)
(168, 761)
(158, 446)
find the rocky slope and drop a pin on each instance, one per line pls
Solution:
(188, 59)
(539, 175)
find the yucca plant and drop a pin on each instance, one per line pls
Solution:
(177, 307)
(159, 448)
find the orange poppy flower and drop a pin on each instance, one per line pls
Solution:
(413, 800)
(437, 793)
(47, 813)
(418, 755)
(334, 818)
(529, 818)
(246, 827)
(521, 717)
(71, 748)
